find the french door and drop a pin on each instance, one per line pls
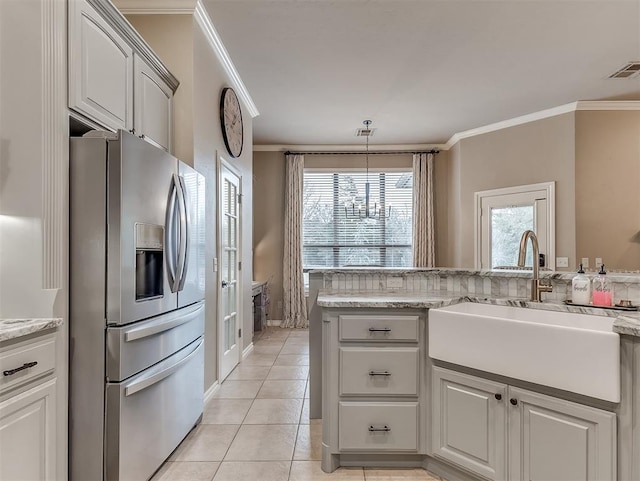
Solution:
(229, 254)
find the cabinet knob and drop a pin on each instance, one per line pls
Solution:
(498, 397)
(513, 401)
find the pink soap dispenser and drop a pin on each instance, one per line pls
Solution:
(602, 292)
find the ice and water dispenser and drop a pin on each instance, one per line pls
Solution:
(149, 261)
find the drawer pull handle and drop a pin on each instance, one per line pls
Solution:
(379, 429)
(379, 373)
(26, 365)
(379, 329)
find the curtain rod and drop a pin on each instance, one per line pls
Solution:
(371, 152)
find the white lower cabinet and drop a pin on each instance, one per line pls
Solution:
(28, 434)
(373, 388)
(485, 427)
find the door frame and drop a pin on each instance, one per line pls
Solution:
(223, 163)
(549, 187)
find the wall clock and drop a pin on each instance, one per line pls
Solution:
(231, 121)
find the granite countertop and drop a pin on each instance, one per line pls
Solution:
(14, 328)
(626, 322)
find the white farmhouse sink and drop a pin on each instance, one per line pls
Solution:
(574, 352)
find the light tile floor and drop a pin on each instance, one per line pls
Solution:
(257, 425)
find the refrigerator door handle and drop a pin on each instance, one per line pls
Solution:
(182, 236)
(187, 233)
(169, 322)
(168, 231)
(148, 381)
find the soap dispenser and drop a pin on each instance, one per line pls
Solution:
(602, 292)
(581, 288)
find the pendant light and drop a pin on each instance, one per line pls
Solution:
(367, 211)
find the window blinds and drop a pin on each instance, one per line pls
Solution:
(333, 233)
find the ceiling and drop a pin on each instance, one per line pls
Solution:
(421, 70)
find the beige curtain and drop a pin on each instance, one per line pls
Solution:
(423, 222)
(295, 304)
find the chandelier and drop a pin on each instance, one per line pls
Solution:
(368, 210)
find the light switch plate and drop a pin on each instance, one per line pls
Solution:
(394, 282)
(562, 262)
(598, 262)
(585, 262)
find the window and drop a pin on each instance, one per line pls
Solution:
(502, 215)
(334, 237)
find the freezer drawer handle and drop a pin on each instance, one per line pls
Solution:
(379, 429)
(379, 329)
(141, 384)
(379, 373)
(141, 332)
(26, 365)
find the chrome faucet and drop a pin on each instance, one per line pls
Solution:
(536, 287)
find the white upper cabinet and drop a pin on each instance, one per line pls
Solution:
(100, 69)
(115, 79)
(153, 105)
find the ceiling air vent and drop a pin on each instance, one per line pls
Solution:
(368, 132)
(630, 70)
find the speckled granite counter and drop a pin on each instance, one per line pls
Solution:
(626, 323)
(14, 328)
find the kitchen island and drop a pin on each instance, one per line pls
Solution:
(351, 297)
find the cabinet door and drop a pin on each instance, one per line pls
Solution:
(28, 434)
(100, 69)
(555, 439)
(152, 106)
(469, 422)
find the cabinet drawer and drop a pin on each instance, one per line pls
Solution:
(378, 426)
(18, 362)
(379, 371)
(379, 328)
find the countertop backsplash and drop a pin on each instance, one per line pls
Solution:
(494, 283)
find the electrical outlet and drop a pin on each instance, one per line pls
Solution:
(562, 262)
(394, 282)
(585, 262)
(598, 262)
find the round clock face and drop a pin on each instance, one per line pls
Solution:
(231, 120)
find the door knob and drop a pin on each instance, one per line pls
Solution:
(225, 284)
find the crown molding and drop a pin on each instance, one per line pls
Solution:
(545, 114)
(156, 7)
(205, 23)
(345, 147)
(608, 105)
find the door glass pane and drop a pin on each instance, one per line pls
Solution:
(232, 231)
(231, 332)
(507, 226)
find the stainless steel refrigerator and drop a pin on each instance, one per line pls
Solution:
(137, 273)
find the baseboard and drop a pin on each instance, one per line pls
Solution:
(247, 351)
(274, 322)
(211, 391)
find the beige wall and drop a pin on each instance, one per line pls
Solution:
(540, 151)
(181, 44)
(608, 188)
(268, 225)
